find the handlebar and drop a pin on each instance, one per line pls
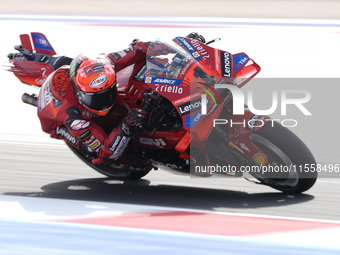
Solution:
(29, 55)
(152, 102)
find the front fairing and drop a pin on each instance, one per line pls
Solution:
(185, 71)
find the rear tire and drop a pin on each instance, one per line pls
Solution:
(284, 148)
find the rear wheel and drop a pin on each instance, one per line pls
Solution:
(288, 157)
(112, 170)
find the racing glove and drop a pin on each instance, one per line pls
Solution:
(133, 122)
(118, 140)
(196, 36)
(160, 48)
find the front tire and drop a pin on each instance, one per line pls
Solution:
(111, 170)
(284, 148)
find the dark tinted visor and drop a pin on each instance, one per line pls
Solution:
(99, 100)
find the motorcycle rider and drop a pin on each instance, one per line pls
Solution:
(74, 101)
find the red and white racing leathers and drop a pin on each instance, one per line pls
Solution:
(63, 117)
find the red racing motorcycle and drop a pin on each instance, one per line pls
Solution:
(188, 91)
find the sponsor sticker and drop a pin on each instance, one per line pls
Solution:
(95, 145)
(89, 140)
(200, 48)
(158, 142)
(260, 158)
(169, 89)
(129, 49)
(121, 53)
(192, 120)
(40, 42)
(45, 96)
(239, 61)
(79, 124)
(148, 79)
(217, 60)
(115, 143)
(195, 54)
(189, 47)
(120, 148)
(187, 66)
(166, 81)
(141, 73)
(186, 99)
(189, 107)
(84, 135)
(98, 81)
(116, 56)
(226, 64)
(63, 132)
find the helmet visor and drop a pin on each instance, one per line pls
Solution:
(100, 100)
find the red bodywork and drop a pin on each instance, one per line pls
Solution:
(235, 69)
(30, 72)
(33, 72)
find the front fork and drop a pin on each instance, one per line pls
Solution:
(238, 129)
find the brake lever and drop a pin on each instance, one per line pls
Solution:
(29, 55)
(149, 124)
(212, 41)
(151, 100)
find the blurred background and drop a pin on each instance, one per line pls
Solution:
(326, 9)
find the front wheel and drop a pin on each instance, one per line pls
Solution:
(288, 157)
(113, 171)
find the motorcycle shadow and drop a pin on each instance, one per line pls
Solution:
(141, 192)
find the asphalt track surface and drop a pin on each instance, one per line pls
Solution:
(53, 172)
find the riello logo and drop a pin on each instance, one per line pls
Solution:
(285, 97)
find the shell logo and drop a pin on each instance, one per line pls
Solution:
(195, 54)
(260, 159)
(148, 80)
